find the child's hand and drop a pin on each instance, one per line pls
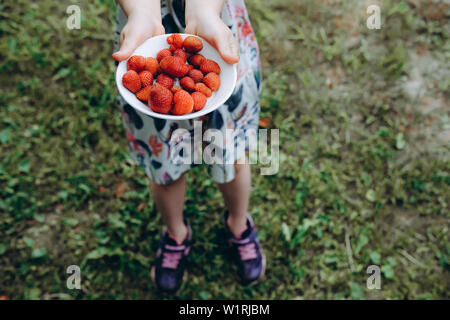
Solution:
(203, 19)
(144, 21)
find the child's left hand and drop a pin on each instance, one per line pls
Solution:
(203, 19)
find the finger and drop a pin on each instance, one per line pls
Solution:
(190, 29)
(161, 30)
(121, 37)
(228, 48)
(129, 44)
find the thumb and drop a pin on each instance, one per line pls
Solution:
(126, 48)
(228, 48)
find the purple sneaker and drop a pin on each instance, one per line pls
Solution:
(246, 252)
(168, 272)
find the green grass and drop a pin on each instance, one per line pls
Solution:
(363, 160)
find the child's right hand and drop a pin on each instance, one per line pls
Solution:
(144, 21)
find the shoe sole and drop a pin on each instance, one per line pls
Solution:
(166, 292)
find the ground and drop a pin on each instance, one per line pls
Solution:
(364, 148)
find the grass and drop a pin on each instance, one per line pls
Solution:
(364, 172)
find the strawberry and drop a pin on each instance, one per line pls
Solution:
(165, 80)
(146, 78)
(190, 67)
(162, 54)
(174, 89)
(183, 103)
(131, 81)
(192, 44)
(180, 53)
(152, 65)
(175, 40)
(208, 66)
(136, 63)
(144, 93)
(201, 87)
(160, 99)
(196, 75)
(199, 100)
(212, 80)
(196, 60)
(174, 66)
(187, 83)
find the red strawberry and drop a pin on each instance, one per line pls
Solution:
(175, 40)
(196, 60)
(199, 100)
(183, 103)
(162, 54)
(212, 80)
(143, 94)
(146, 78)
(160, 99)
(131, 81)
(181, 53)
(196, 75)
(190, 67)
(152, 65)
(208, 66)
(174, 66)
(174, 89)
(165, 80)
(192, 44)
(136, 63)
(201, 87)
(187, 83)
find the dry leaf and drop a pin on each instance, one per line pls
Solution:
(141, 206)
(120, 188)
(264, 122)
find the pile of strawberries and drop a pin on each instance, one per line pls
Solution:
(197, 76)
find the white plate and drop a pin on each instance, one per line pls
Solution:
(150, 48)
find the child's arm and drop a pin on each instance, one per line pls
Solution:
(144, 21)
(203, 19)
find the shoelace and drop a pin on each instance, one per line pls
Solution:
(247, 251)
(170, 260)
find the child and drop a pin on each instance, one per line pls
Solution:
(220, 23)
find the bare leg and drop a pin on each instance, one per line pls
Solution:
(169, 201)
(236, 194)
